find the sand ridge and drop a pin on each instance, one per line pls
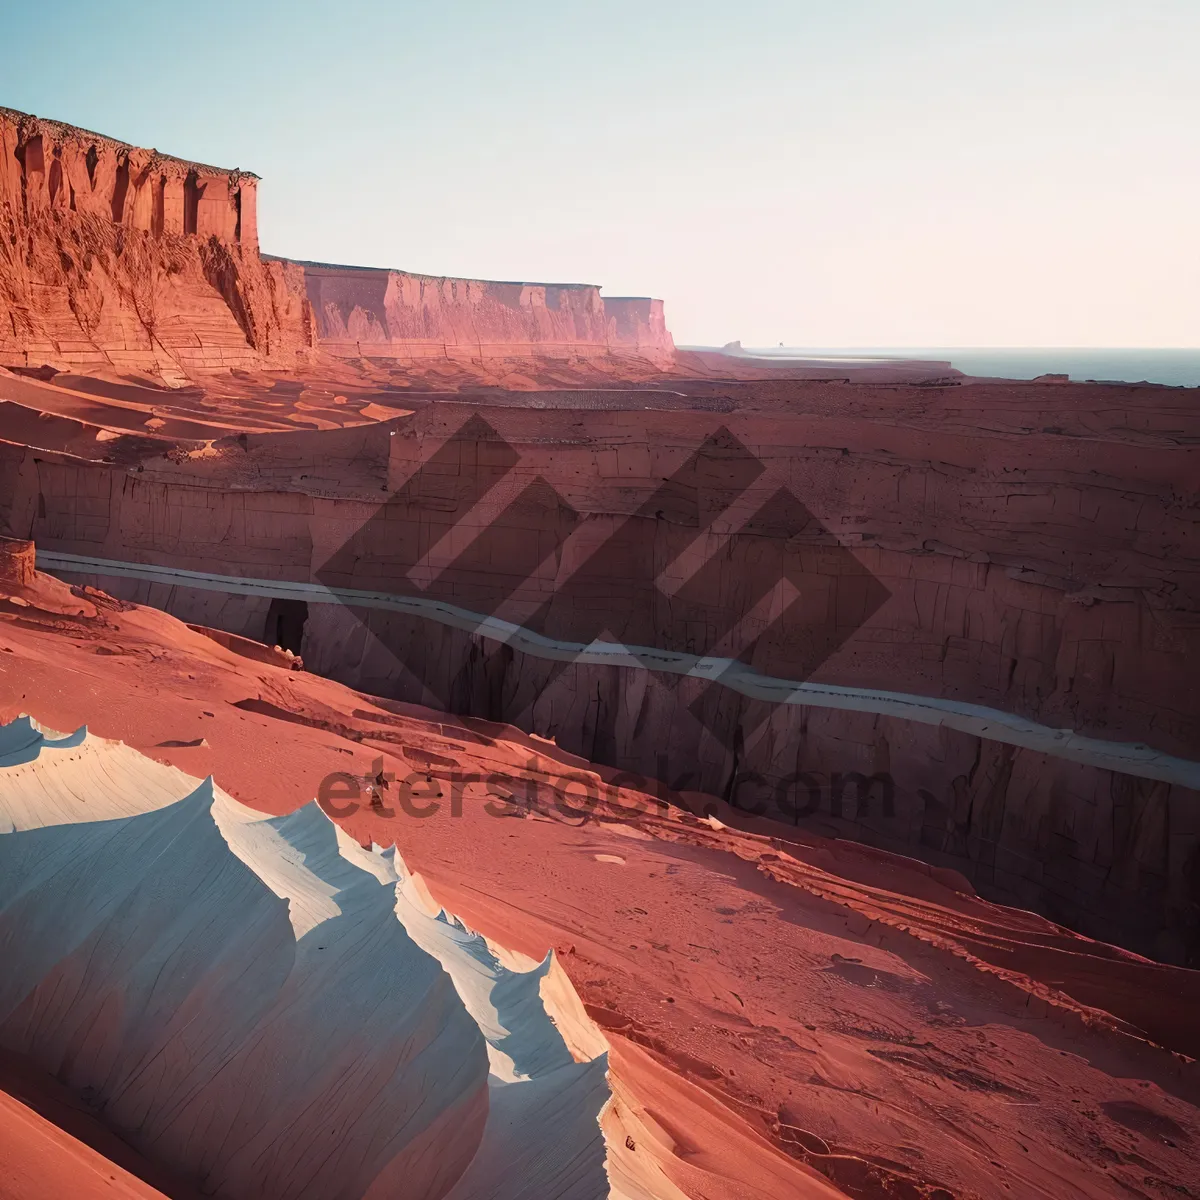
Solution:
(337, 1061)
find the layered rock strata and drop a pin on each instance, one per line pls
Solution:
(114, 256)
(1044, 575)
(786, 1016)
(362, 312)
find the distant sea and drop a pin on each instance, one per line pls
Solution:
(1179, 368)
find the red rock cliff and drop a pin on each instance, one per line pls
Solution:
(116, 256)
(112, 255)
(638, 322)
(375, 313)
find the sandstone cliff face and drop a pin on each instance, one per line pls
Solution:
(115, 256)
(1047, 574)
(370, 313)
(640, 323)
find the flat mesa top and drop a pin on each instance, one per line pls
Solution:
(325, 266)
(64, 131)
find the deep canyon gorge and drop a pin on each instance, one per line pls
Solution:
(907, 628)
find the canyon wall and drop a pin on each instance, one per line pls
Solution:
(50, 166)
(638, 323)
(1047, 571)
(364, 312)
(116, 256)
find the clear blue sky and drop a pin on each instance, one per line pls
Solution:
(817, 172)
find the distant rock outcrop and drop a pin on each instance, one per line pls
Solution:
(364, 312)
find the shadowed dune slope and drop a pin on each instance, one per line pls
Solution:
(245, 1005)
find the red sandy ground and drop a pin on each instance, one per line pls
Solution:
(52, 1146)
(788, 1012)
(38, 1159)
(332, 396)
(337, 394)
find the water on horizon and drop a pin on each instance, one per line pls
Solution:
(1172, 366)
